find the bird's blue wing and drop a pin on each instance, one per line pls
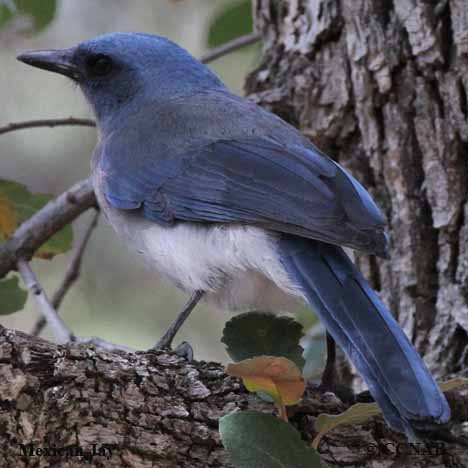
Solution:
(284, 187)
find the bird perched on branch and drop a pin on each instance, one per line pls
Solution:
(220, 195)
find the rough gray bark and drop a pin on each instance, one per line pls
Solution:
(157, 410)
(382, 87)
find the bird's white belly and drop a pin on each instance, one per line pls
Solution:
(237, 266)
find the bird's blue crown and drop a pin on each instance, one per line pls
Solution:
(147, 68)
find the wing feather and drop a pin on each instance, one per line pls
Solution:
(260, 181)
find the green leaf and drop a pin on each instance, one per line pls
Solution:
(41, 12)
(356, 414)
(17, 204)
(259, 333)
(232, 22)
(361, 412)
(258, 440)
(12, 297)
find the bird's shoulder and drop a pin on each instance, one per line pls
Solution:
(204, 117)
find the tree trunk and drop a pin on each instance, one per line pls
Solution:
(157, 410)
(382, 87)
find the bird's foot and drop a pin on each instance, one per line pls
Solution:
(184, 349)
(344, 393)
(103, 344)
(330, 383)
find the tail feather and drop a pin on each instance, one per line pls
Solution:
(396, 376)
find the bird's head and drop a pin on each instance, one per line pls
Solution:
(120, 72)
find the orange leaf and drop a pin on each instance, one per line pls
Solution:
(17, 204)
(8, 218)
(277, 376)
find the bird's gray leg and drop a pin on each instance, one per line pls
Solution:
(329, 381)
(329, 375)
(166, 339)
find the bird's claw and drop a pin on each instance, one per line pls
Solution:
(103, 344)
(185, 350)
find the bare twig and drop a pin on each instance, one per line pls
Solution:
(61, 332)
(104, 344)
(33, 232)
(230, 46)
(11, 127)
(74, 268)
(71, 275)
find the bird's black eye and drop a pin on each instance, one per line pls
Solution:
(99, 64)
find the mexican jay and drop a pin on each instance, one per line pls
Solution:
(223, 197)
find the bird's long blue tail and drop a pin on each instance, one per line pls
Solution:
(356, 318)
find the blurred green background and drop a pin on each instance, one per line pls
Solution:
(115, 298)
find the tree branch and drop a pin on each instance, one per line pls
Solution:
(229, 47)
(33, 232)
(71, 274)
(157, 409)
(14, 126)
(61, 332)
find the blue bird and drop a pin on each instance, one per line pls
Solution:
(232, 203)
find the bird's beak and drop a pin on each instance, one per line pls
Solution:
(56, 60)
